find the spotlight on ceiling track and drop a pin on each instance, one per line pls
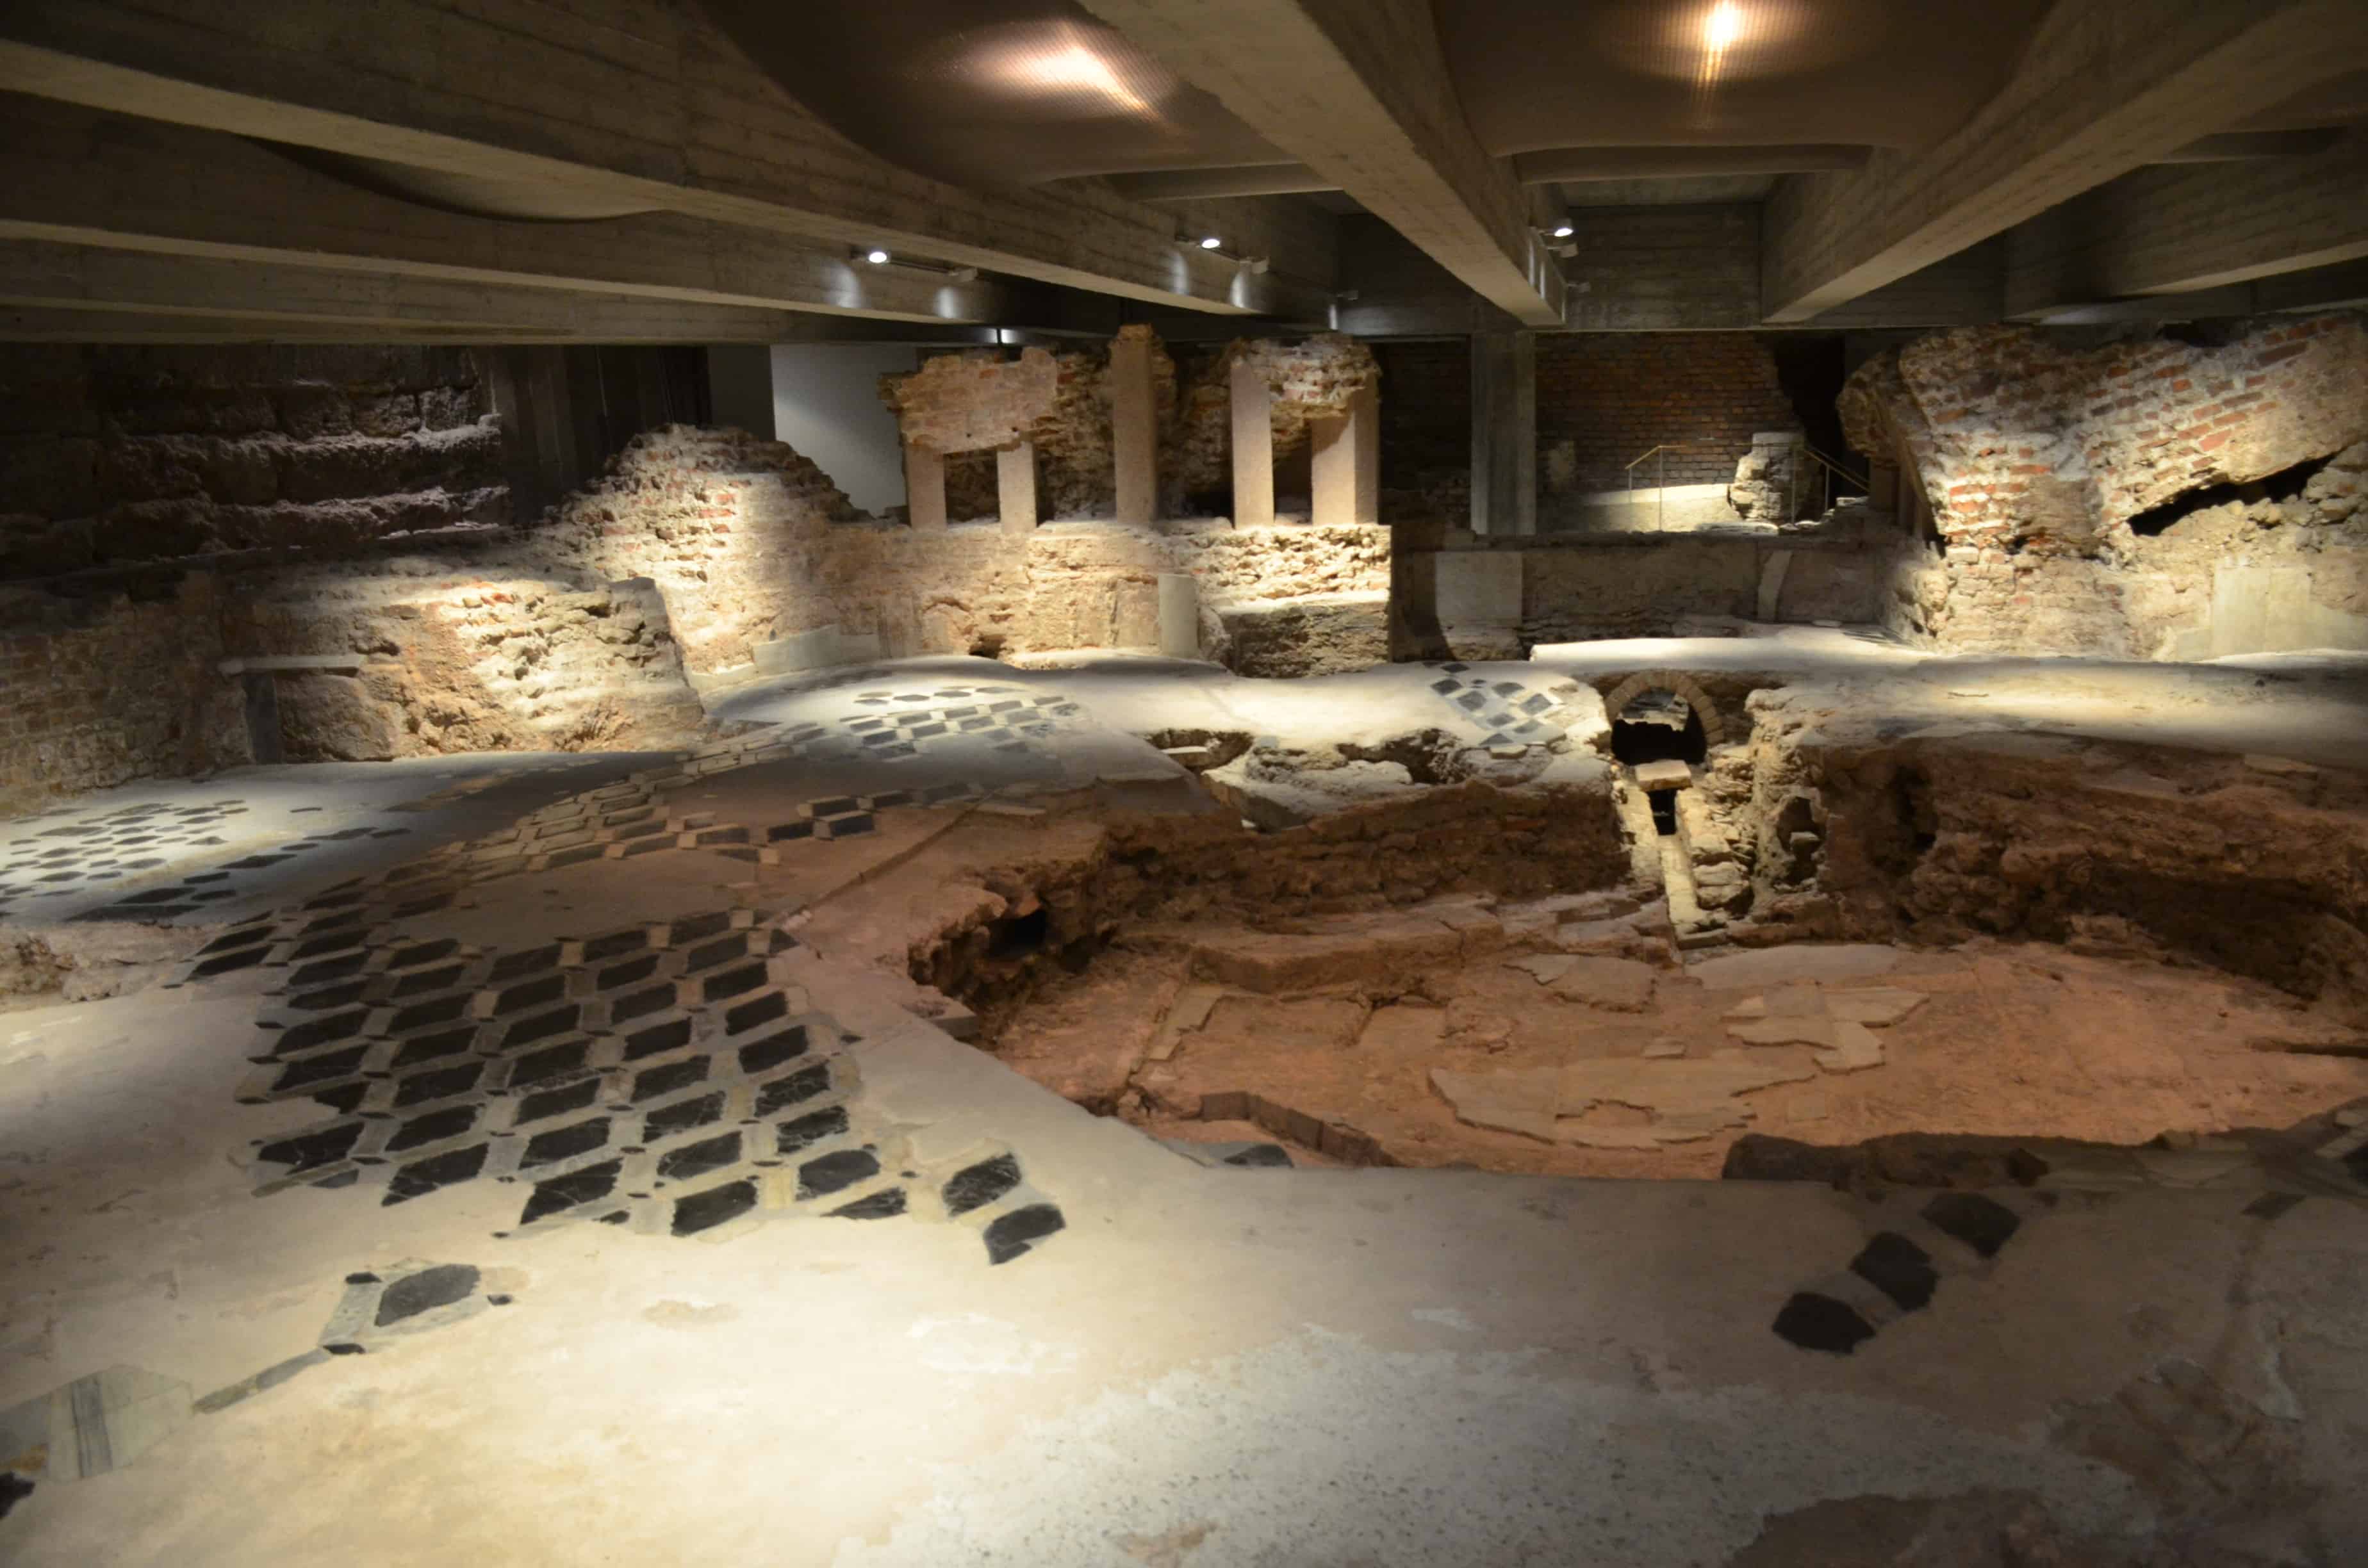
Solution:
(872, 255)
(1210, 244)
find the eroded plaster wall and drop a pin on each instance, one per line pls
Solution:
(2168, 496)
(113, 454)
(748, 543)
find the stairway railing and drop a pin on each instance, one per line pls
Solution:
(1824, 471)
(1660, 477)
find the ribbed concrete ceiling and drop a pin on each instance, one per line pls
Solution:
(1539, 73)
(1022, 91)
(988, 92)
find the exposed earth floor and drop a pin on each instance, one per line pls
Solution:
(1125, 1114)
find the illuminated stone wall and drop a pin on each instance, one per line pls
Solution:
(2154, 497)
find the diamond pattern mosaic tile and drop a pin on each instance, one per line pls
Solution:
(1531, 713)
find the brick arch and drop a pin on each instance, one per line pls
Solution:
(1620, 696)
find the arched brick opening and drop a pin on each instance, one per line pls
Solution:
(1626, 691)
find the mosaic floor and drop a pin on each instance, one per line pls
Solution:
(504, 1169)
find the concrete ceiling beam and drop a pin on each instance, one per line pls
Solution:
(87, 177)
(606, 105)
(2190, 228)
(38, 275)
(2103, 87)
(1359, 91)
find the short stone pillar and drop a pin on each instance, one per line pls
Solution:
(924, 488)
(1345, 463)
(1015, 486)
(1179, 615)
(1253, 408)
(1134, 427)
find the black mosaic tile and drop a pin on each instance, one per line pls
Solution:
(311, 1151)
(975, 1187)
(1016, 1233)
(791, 1137)
(1982, 1223)
(433, 1047)
(564, 1142)
(422, 1177)
(670, 1036)
(763, 1010)
(885, 1204)
(1820, 1322)
(681, 1117)
(426, 1291)
(795, 1089)
(835, 1171)
(434, 1127)
(705, 1210)
(1897, 1267)
(439, 1083)
(546, 1103)
(695, 1160)
(573, 1191)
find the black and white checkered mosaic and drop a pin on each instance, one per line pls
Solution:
(665, 1076)
(1532, 714)
(82, 853)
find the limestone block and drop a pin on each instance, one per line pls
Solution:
(800, 650)
(1179, 615)
(1616, 985)
(1478, 587)
(1666, 774)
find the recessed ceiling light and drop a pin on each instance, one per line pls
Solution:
(876, 257)
(1722, 26)
(1211, 243)
(1563, 230)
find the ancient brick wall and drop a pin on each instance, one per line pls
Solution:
(748, 543)
(96, 692)
(2239, 461)
(1603, 398)
(111, 454)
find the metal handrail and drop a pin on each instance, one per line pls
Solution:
(1828, 469)
(1661, 477)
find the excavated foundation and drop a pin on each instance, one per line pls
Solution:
(1821, 935)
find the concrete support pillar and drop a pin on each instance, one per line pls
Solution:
(1346, 463)
(1134, 429)
(1253, 447)
(925, 489)
(1179, 615)
(1015, 487)
(1503, 433)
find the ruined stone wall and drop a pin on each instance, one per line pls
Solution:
(99, 691)
(2150, 497)
(748, 543)
(486, 652)
(2254, 865)
(729, 528)
(966, 405)
(114, 454)
(1603, 398)
(1307, 379)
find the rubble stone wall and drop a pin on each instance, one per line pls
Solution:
(1604, 398)
(118, 454)
(748, 542)
(94, 692)
(2154, 497)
